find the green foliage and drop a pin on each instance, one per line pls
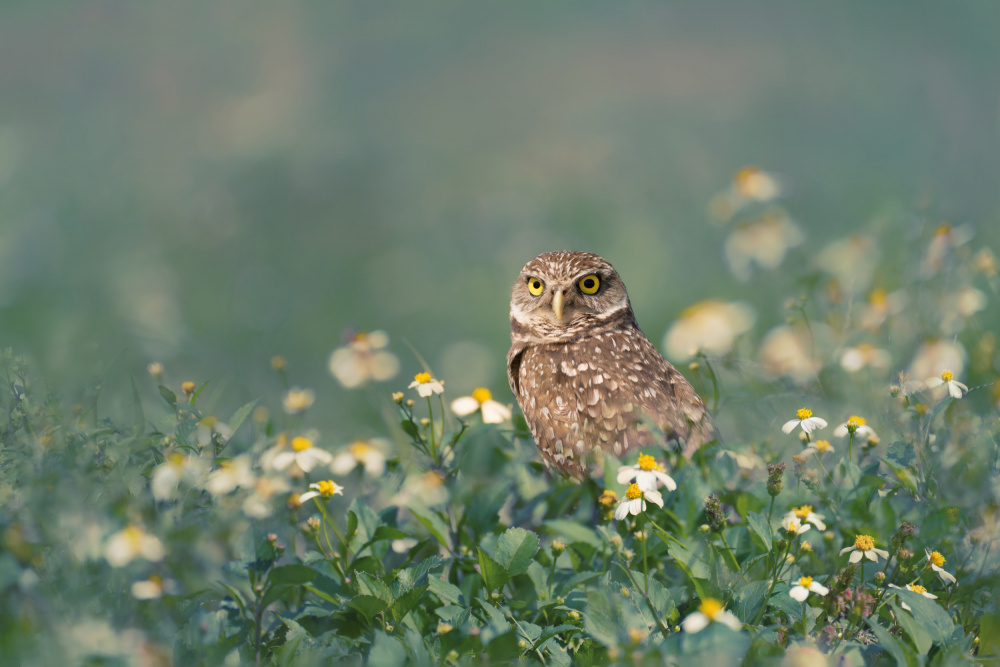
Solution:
(209, 541)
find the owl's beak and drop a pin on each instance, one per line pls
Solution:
(558, 299)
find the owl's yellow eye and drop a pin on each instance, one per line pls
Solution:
(535, 286)
(589, 284)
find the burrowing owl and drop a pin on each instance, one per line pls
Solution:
(584, 374)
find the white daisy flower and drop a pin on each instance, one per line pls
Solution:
(635, 501)
(804, 419)
(426, 385)
(177, 468)
(360, 452)
(806, 515)
(297, 400)
(936, 560)
(793, 525)
(955, 388)
(710, 611)
(820, 447)
(864, 546)
(325, 489)
(482, 400)
(152, 588)
(362, 359)
(130, 543)
(856, 425)
(805, 586)
(916, 588)
(231, 474)
(647, 474)
(303, 454)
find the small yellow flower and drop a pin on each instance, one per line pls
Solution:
(325, 489)
(426, 385)
(635, 499)
(278, 363)
(608, 498)
(188, 387)
(297, 400)
(155, 369)
(935, 560)
(864, 547)
(804, 418)
(710, 611)
(481, 400)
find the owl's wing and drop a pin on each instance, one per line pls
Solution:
(643, 393)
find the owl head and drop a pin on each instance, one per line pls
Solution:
(560, 294)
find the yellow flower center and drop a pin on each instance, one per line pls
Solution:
(647, 462)
(794, 525)
(917, 588)
(301, 444)
(859, 421)
(864, 543)
(482, 394)
(942, 229)
(936, 558)
(359, 449)
(608, 497)
(326, 488)
(176, 458)
(878, 296)
(822, 446)
(803, 512)
(422, 378)
(803, 413)
(187, 387)
(806, 582)
(633, 491)
(947, 376)
(710, 607)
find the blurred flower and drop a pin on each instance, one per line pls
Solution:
(152, 588)
(956, 307)
(482, 400)
(259, 504)
(916, 588)
(634, 501)
(750, 461)
(955, 388)
(188, 387)
(820, 447)
(793, 525)
(946, 238)
(864, 546)
(608, 498)
(935, 355)
(805, 513)
(426, 385)
(935, 561)
(402, 545)
(364, 453)
(647, 473)
(235, 472)
(855, 425)
(749, 184)
(211, 425)
(711, 326)
(278, 363)
(132, 542)
(427, 489)
(364, 359)
(324, 489)
(985, 262)
(879, 306)
(710, 611)
(852, 261)
(155, 369)
(764, 240)
(785, 351)
(805, 586)
(168, 475)
(304, 454)
(804, 418)
(853, 359)
(297, 400)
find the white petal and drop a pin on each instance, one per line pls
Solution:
(799, 593)
(819, 589)
(282, 459)
(667, 480)
(413, 384)
(882, 552)
(464, 406)
(844, 551)
(905, 606)
(627, 474)
(816, 520)
(895, 586)
(695, 622)
(653, 497)
(343, 463)
(947, 576)
(790, 426)
(812, 424)
(495, 413)
(305, 461)
(636, 506)
(621, 511)
(840, 431)
(803, 528)
(308, 495)
(872, 554)
(928, 595)
(729, 619)
(856, 556)
(424, 390)
(953, 390)
(934, 382)
(960, 385)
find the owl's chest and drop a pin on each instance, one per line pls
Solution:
(567, 382)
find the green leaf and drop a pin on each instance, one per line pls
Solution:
(291, 575)
(600, 626)
(386, 651)
(572, 531)
(138, 416)
(372, 585)
(241, 415)
(515, 549)
(405, 602)
(760, 530)
(448, 593)
(388, 533)
(913, 630)
(930, 615)
(368, 606)
(748, 598)
(497, 619)
(494, 575)
(410, 429)
(433, 523)
(168, 396)
(888, 642)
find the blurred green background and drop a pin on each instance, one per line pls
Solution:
(210, 184)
